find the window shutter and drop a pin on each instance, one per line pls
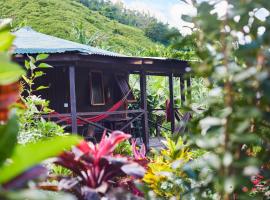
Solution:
(124, 87)
(97, 88)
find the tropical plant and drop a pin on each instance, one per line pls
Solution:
(165, 174)
(95, 168)
(32, 125)
(233, 49)
(97, 39)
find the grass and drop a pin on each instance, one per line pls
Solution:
(58, 18)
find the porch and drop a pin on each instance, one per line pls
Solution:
(143, 67)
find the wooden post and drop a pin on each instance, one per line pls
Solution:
(189, 89)
(145, 127)
(73, 108)
(182, 88)
(172, 111)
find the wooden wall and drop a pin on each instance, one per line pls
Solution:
(58, 92)
(83, 90)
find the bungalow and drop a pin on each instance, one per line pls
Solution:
(90, 86)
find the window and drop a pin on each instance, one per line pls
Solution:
(97, 88)
(122, 82)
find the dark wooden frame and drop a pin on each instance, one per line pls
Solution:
(91, 88)
(73, 108)
(131, 93)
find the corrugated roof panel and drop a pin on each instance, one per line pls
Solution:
(29, 41)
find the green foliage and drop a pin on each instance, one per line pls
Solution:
(152, 27)
(32, 126)
(58, 18)
(8, 138)
(123, 148)
(57, 170)
(23, 157)
(166, 175)
(171, 52)
(33, 67)
(97, 39)
(6, 38)
(234, 60)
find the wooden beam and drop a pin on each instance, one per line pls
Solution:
(131, 121)
(171, 103)
(182, 90)
(73, 107)
(94, 113)
(145, 128)
(189, 88)
(95, 124)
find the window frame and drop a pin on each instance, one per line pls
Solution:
(91, 88)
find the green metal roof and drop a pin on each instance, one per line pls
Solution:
(29, 41)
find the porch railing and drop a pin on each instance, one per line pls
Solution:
(62, 118)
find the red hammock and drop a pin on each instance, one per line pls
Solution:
(97, 118)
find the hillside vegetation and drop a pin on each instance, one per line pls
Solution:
(152, 27)
(71, 20)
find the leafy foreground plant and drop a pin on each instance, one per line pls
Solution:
(18, 162)
(233, 49)
(95, 168)
(165, 174)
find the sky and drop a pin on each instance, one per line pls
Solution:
(168, 11)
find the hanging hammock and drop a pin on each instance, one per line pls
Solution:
(97, 118)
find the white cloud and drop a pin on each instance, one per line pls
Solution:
(176, 12)
(144, 7)
(169, 13)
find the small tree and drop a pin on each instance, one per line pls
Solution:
(232, 40)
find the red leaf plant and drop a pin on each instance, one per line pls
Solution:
(95, 168)
(139, 156)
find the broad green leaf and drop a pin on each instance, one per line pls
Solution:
(6, 39)
(42, 57)
(26, 156)
(44, 65)
(9, 71)
(8, 138)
